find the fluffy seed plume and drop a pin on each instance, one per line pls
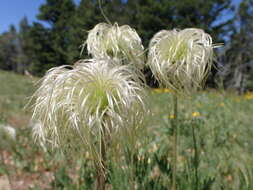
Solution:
(6, 131)
(117, 42)
(74, 104)
(7, 137)
(181, 59)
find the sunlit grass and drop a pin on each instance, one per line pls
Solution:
(14, 93)
(223, 124)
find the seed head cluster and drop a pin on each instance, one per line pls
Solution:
(116, 42)
(181, 59)
(77, 107)
(76, 103)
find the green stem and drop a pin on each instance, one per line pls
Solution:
(101, 168)
(174, 131)
(132, 170)
(196, 158)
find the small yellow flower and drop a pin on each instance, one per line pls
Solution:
(162, 90)
(222, 104)
(167, 90)
(195, 114)
(158, 90)
(249, 95)
(171, 116)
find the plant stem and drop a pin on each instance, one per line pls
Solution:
(101, 168)
(196, 158)
(174, 131)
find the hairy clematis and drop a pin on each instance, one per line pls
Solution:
(117, 42)
(7, 137)
(80, 106)
(181, 59)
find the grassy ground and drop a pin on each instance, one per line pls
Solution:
(215, 145)
(14, 94)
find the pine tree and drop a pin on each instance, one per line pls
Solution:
(150, 16)
(58, 15)
(87, 15)
(43, 54)
(238, 57)
(83, 20)
(9, 49)
(24, 47)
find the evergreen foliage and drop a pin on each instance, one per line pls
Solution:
(237, 60)
(38, 47)
(9, 49)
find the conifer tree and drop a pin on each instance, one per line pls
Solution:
(58, 15)
(24, 46)
(9, 49)
(237, 59)
(43, 54)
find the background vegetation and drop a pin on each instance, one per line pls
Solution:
(220, 121)
(215, 127)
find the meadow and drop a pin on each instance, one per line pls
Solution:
(214, 152)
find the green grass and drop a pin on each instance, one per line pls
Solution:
(223, 132)
(14, 94)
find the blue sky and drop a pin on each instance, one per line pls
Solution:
(12, 11)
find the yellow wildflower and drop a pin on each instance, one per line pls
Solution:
(249, 95)
(162, 90)
(158, 90)
(171, 116)
(167, 90)
(195, 114)
(222, 104)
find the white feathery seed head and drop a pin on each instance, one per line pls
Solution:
(7, 136)
(116, 42)
(181, 59)
(7, 131)
(74, 104)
